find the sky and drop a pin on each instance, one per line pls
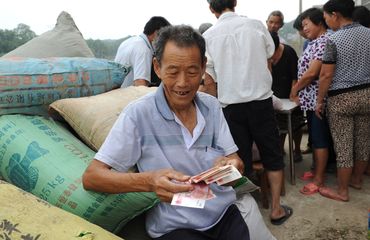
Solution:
(114, 19)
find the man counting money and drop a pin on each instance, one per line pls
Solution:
(186, 135)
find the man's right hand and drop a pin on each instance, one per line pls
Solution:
(166, 182)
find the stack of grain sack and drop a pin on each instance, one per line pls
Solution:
(41, 155)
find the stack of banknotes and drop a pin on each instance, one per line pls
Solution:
(202, 192)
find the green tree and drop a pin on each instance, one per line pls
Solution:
(105, 48)
(11, 39)
(24, 33)
(6, 41)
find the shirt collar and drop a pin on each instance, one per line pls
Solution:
(351, 25)
(226, 15)
(319, 38)
(145, 38)
(164, 108)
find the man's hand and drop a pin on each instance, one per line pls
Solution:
(232, 159)
(166, 182)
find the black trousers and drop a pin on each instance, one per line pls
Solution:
(255, 122)
(231, 227)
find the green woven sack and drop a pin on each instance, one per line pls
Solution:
(43, 158)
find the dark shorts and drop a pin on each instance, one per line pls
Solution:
(231, 227)
(255, 122)
(320, 132)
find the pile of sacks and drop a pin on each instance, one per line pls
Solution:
(65, 40)
(56, 75)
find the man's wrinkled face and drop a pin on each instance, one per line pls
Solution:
(181, 71)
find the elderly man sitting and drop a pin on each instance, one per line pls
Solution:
(171, 135)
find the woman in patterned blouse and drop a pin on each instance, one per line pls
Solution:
(305, 91)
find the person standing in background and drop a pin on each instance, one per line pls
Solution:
(136, 54)
(298, 26)
(309, 66)
(275, 21)
(361, 14)
(284, 68)
(331, 164)
(204, 27)
(238, 49)
(345, 81)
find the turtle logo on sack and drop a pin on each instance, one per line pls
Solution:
(20, 171)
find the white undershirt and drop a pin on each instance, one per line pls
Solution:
(189, 138)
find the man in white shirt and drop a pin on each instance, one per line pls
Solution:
(136, 54)
(238, 49)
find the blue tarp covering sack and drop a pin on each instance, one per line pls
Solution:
(29, 85)
(40, 156)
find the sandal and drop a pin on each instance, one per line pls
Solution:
(307, 176)
(288, 212)
(309, 189)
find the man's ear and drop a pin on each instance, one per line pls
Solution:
(157, 67)
(336, 14)
(152, 36)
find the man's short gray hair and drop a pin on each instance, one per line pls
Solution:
(204, 27)
(279, 14)
(182, 36)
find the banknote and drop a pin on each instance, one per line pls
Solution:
(208, 173)
(220, 175)
(195, 198)
(213, 174)
(233, 175)
(202, 192)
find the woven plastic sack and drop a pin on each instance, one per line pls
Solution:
(93, 117)
(43, 158)
(64, 40)
(29, 85)
(24, 216)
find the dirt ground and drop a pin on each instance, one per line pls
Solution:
(319, 218)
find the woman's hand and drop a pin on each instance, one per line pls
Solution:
(293, 93)
(320, 110)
